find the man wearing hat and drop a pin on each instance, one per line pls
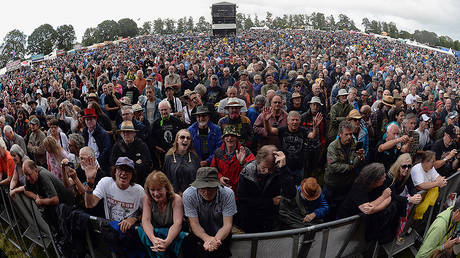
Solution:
(443, 233)
(206, 135)
(41, 101)
(97, 138)
(131, 91)
(239, 121)
(127, 114)
(340, 85)
(134, 148)
(230, 158)
(338, 113)
(122, 197)
(360, 133)
(210, 208)
(307, 207)
(423, 131)
(380, 117)
(445, 148)
(451, 119)
(35, 145)
(296, 103)
(231, 94)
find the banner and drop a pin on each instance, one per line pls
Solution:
(13, 65)
(36, 58)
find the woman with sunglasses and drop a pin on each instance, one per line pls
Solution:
(181, 162)
(401, 182)
(403, 188)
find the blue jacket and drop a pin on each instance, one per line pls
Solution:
(214, 139)
(252, 114)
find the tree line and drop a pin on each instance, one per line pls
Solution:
(44, 39)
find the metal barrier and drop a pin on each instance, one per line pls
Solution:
(338, 238)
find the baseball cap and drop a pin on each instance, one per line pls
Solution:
(125, 161)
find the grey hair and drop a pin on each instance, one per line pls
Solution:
(78, 139)
(345, 124)
(293, 113)
(165, 101)
(7, 129)
(259, 99)
(88, 150)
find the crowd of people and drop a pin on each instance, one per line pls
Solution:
(168, 135)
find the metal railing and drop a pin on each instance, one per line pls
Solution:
(26, 229)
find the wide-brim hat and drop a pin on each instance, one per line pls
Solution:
(230, 130)
(354, 114)
(310, 189)
(89, 113)
(201, 110)
(296, 95)
(127, 126)
(206, 177)
(389, 101)
(92, 95)
(342, 92)
(233, 102)
(137, 108)
(316, 100)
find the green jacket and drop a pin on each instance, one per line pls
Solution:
(339, 112)
(340, 168)
(437, 234)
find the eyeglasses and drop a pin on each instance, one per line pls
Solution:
(406, 166)
(276, 102)
(182, 137)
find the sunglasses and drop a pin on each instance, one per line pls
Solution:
(184, 137)
(406, 166)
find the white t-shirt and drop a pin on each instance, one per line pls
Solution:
(410, 99)
(119, 204)
(420, 176)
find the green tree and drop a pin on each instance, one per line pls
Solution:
(202, 25)
(127, 28)
(89, 37)
(318, 21)
(190, 24)
(146, 28)
(170, 26)
(159, 26)
(107, 30)
(331, 22)
(269, 19)
(446, 41)
(181, 26)
(256, 21)
(248, 22)
(65, 37)
(240, 21)
(42, 40)
(367, 25)
(392, 30)
(405, 35)
(376, 27)
(426, 37)
(14, 45)
(457, 45)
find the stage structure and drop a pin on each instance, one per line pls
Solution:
(223, 19)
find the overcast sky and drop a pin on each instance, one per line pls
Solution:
(407, 14)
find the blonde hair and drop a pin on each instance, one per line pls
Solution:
(173, 149)
(51, 144)
(395, 168)
(158, 178)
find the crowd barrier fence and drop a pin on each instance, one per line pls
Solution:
(26, 229)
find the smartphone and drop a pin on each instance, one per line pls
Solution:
(359, 145)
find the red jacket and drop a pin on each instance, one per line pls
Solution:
(230, 168)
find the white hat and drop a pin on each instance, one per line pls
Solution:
(39, 91)
(425, 117)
